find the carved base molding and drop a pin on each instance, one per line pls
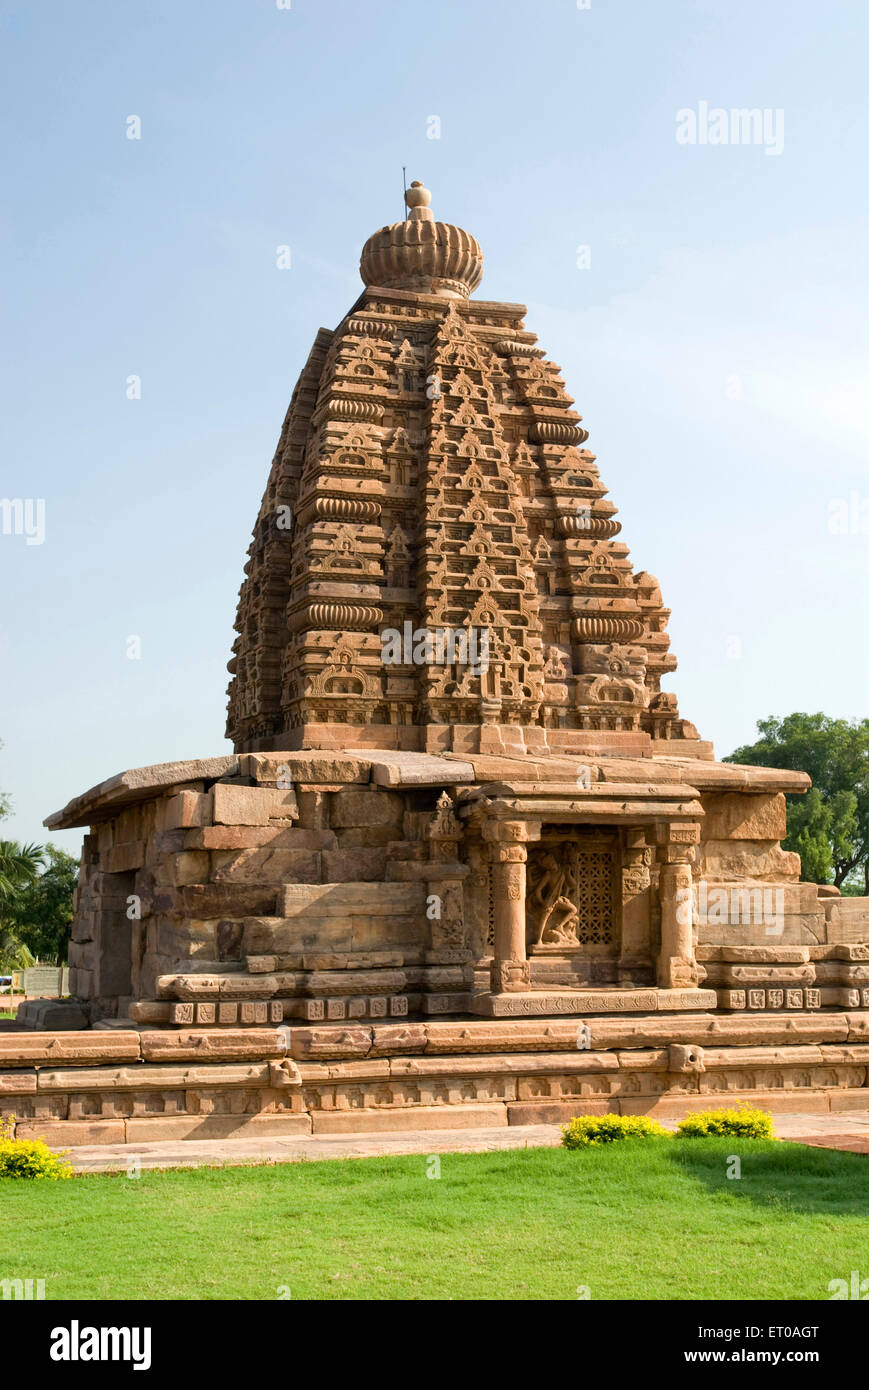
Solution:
(114, 1086)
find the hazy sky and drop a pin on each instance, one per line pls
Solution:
(716, 344)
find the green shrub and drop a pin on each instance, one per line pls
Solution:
(741, 1122)
(589, 1130)
(28, 1158)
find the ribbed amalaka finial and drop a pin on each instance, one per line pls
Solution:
(422, 255)
(418, 198)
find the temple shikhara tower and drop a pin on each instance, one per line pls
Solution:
(432, 471)
(467, 864)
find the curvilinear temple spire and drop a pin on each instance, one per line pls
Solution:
(435, 565)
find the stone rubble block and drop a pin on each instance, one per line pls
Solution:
(213, 1045)
(125, 857)
(186, 809)
(52, 1015)
(402, 1038)
(357, 865)
(737, 816)
(347, 900)
(265, 865)
(17, 1083)
(756, 955)
(370, 1069)
(336, 960)
(332, 982)
(238, 805)
(518, 1035)
(205, 902)
(313, 1044)
(368, 807)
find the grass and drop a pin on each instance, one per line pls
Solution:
(639, 1220)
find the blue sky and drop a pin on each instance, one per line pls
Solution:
(716, 345)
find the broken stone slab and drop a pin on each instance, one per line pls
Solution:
(144, 1077)
(756, 955)
(315, 1044)
(308, 767)
(87, 1049)
(137, 784)
(371, 1069)
(391, 1038)
(213, 1044)
(538, 1002)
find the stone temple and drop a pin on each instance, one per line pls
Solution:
(468, 864)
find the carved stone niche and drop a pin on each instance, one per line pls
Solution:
(573, 899)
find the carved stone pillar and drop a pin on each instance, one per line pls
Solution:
(508, 855)
(677, 964)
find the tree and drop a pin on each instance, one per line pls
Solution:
(829, 826)
(19, 866)
(40, 914)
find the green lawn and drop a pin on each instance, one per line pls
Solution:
(639, 1220)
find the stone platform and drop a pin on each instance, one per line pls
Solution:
(113, 1086)
(848, 1131)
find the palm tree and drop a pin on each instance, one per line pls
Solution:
(19, 866)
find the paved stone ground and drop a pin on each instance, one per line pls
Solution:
(843, 1131)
